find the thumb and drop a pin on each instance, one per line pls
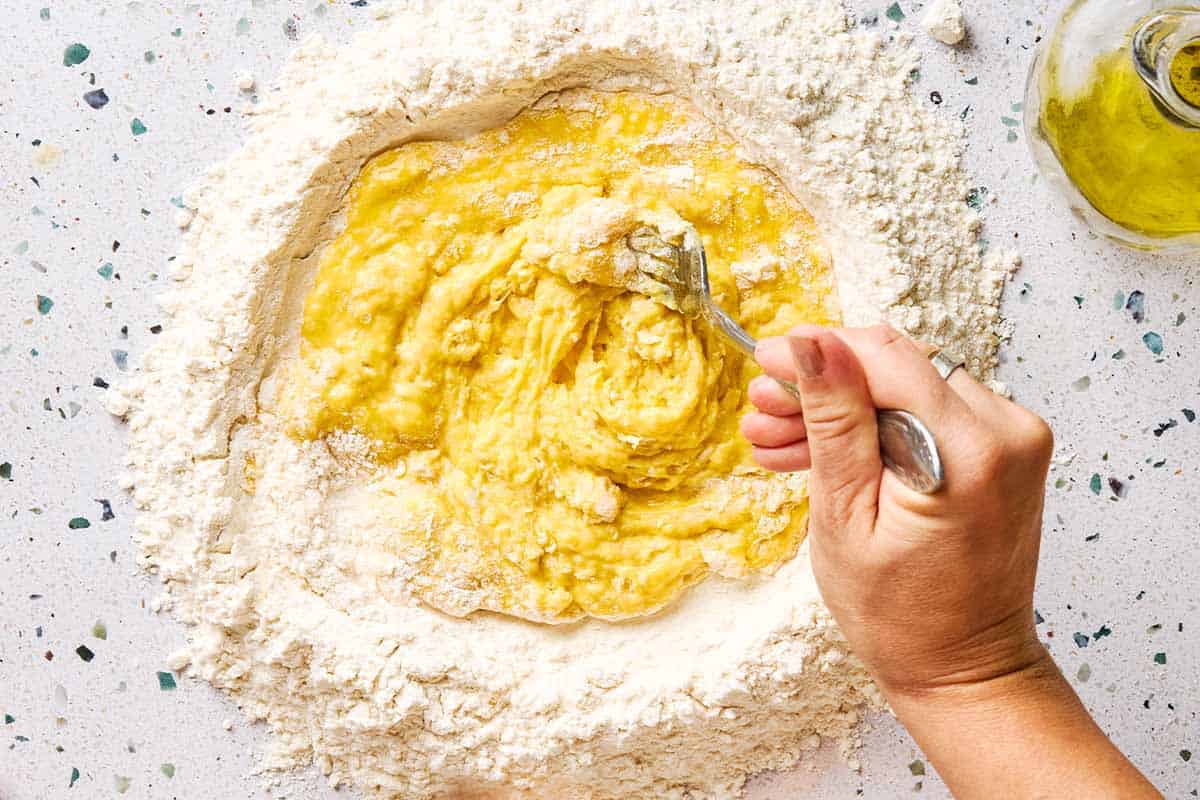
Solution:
(839, 416)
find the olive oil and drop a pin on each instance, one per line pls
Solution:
(1132, 162)
(1185, 73)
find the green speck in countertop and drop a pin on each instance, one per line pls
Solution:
(166, 681)
(973, 81)
(84, 652)
(917, 767)
(6, 471)
(44, 304)
(243, 26)
(1084, 673)
(1104, 631)
(121, 359)
(75, 55)
(9, 719)
(149, 57)
(121, 783)
(137, 127)
(79, 523)
(100, 631)
(177, 32)
(895, 13)
(74, 777)
(1119, 300)
(1160, 658)
(168, 770)
(1154, 342)
(105, 271)
(1186, 755)
(44, 14)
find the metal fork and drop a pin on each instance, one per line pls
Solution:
(906, 445)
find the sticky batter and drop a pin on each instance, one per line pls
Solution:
(570, 443)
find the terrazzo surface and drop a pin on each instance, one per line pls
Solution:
(109, 110)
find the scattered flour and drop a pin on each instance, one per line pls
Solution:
(945, 22)
(317, 634)
(762, 267)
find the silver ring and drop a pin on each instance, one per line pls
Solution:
(945, 363)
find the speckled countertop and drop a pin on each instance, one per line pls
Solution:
(108, 110)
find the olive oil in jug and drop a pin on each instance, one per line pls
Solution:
(1116, 91)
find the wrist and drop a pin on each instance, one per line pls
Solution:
(1030, 675)
(974, 732)
(1025, 669)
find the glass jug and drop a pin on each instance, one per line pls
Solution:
(1113, 118)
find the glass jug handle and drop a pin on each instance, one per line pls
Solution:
(1157, 41)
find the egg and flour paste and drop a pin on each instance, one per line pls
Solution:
(480, 316)
(405, 369)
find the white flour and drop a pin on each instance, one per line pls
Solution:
(945, 22)
(315, 633)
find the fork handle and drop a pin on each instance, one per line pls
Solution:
(906, 445)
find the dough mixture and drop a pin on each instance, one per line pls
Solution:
(408, 368)
(572, 443)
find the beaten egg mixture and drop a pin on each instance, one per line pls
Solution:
(569, 443)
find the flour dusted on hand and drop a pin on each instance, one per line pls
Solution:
(305, 608)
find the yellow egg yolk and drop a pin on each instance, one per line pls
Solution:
(578, 439)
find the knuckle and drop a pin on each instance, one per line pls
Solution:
(886, 340)
(832, 425)
(1037, 437)
(883, 335)
(991, 456)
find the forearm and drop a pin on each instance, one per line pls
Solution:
(1024, 735)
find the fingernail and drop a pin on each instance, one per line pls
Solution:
(807, 356)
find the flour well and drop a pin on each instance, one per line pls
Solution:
(318, 633)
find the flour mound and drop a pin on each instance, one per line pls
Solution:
(325, 643)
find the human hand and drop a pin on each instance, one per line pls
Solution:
(929, 590)
(935, 592)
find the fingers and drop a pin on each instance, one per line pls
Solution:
(969, 389)
(765, 430)
(975, 394)
(900, 375)
(839, 418)
(770, 398)
(792, 458)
